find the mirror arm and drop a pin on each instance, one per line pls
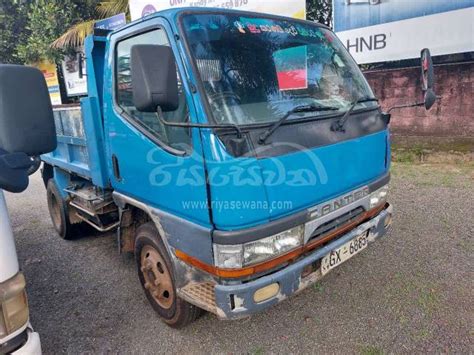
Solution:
(80, 59)
(416, 104)
(199, 125)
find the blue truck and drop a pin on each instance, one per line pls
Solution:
(239, 156)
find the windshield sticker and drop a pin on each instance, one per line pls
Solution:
(259, 26)
(292, 68)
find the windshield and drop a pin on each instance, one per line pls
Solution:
(256, 69)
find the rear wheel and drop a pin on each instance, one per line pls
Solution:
(58, 212)
(156, 276)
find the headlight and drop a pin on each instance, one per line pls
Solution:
(378, 197)
(241, 255)
(13, 305)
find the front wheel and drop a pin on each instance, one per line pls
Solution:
(156, 276)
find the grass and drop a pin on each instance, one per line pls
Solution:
(460, 145)
(258, 351)
(412, 155)
(422, 334)
(456, 151)
(428, 300)
(318, 286)
(416, 294)
(371, 350)
(436, 175)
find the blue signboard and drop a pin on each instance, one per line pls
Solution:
(111, 23)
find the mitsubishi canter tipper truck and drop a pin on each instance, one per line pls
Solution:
(240, 156)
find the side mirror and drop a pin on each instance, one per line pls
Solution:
(26, 124)
(427, 77)
(430, 99)
(154, 78)
(26, 114)
(427, 71)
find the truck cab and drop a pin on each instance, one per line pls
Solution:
(240, 156)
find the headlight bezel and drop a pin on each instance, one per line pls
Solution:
(247, 255)
(14, 309)
(378, 197)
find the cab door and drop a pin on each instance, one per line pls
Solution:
(154, 164)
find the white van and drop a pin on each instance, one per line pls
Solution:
(16, 334)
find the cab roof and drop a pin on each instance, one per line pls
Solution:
(173, 13)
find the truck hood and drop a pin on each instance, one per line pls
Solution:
(256, 191)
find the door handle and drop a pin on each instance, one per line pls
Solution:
(116, 167)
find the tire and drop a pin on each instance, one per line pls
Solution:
(58, 212)
(157, 278)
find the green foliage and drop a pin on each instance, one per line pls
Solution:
(319, 11)
(76, 34)
(110, 8)
(46, 21)
(13, 21)
(28, 27)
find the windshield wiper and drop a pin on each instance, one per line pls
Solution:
(298, 109)
(338, 125)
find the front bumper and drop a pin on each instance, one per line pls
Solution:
(32, 345)
(27, 342)
(237, 301)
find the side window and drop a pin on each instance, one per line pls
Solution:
(175, 137)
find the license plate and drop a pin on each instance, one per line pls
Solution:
(343, 253)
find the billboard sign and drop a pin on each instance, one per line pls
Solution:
(386, 30)
(75, 86)
(51, 76)
(289, 8)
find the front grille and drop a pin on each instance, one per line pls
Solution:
(332, 225)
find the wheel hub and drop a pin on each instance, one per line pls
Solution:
(157, 277)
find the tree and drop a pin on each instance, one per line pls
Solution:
(47, 20)
(27, 27)
(13, 21)
(320, 11)
(75, 35)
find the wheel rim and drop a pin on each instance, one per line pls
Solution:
(55, 212)
(157, 277)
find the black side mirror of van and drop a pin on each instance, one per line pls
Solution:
(26, 114)
(26, 124)
(154, 78)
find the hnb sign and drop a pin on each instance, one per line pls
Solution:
(378, 31)
(368, 43)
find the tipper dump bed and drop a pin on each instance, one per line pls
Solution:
(72, 153)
